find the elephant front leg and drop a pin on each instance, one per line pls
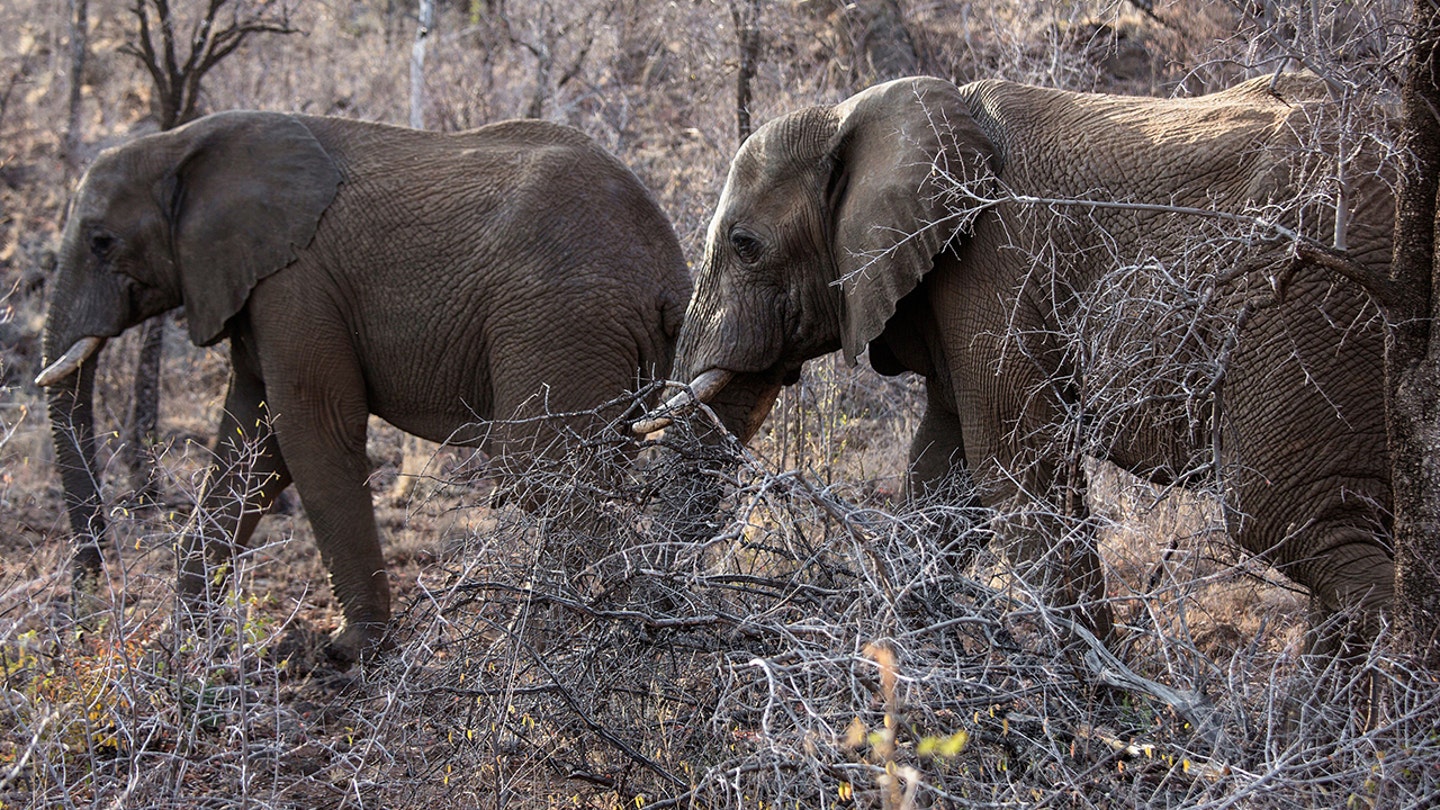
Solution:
(321, 428)
(247, 474)
(1041, 520)
(338, 500)
(938, 482)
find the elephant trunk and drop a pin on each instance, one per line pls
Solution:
(72, 425)
(690, 491)
(744, 402)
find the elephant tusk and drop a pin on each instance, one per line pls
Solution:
(654, 423)
(701, 389)
(708, 385)
(69, 361)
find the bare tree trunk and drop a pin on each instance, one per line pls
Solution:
(544, 60)
(544, 42)
(747, 35)
(417, 64)
(872, 39)
(79, 48)
(139, 444)
(176, 75)
(1413, 354)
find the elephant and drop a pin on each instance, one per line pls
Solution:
(516, 272)
(956, 232)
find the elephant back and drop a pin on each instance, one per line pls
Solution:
(1083, 145)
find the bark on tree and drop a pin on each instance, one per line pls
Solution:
(747, 36)
(544, 42)
(417, 64)
(872, 43)
(176, 76)
(79, 49)
(1413, 352)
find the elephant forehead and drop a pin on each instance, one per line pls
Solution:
(791, 143)
(769, 177)
(768, 201)
(112, 180)
(99, 185)
(753, 164)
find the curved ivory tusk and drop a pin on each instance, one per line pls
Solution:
(707, 385)
(648, 426)
(703, 389)
(69, 361)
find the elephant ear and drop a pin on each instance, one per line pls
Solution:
(899, 148)
(245, 195)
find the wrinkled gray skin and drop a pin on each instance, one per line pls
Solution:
(430, 279)
(805, 256)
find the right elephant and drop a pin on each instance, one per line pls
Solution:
(967, 234)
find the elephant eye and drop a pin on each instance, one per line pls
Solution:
(746, 246)
(101, 244)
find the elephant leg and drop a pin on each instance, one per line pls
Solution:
(1351, 579)
(938, 480)
(1054, 541)
(528, 458)
(1044, 524)
(321, 416)
(247, 474)
(557, 448)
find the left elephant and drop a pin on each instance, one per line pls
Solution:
(434, 280)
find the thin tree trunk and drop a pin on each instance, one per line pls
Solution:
(747, 35)
(1413, 353)
(139, 444)
(544, 61)
(417, 64)
(79, 48)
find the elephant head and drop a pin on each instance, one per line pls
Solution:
(829, 217)
(192, 217)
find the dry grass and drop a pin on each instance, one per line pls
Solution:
(823, 647)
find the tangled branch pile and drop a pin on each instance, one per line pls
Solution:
(613, 649)
(813, 652)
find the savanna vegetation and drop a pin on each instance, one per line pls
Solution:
(818, 648)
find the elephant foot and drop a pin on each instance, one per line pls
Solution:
(361, 641)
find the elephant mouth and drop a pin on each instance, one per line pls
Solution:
(743, 399)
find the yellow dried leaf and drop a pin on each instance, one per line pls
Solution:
(855, 733)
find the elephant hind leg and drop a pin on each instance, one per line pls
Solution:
(548, 434)
(1351, 580)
